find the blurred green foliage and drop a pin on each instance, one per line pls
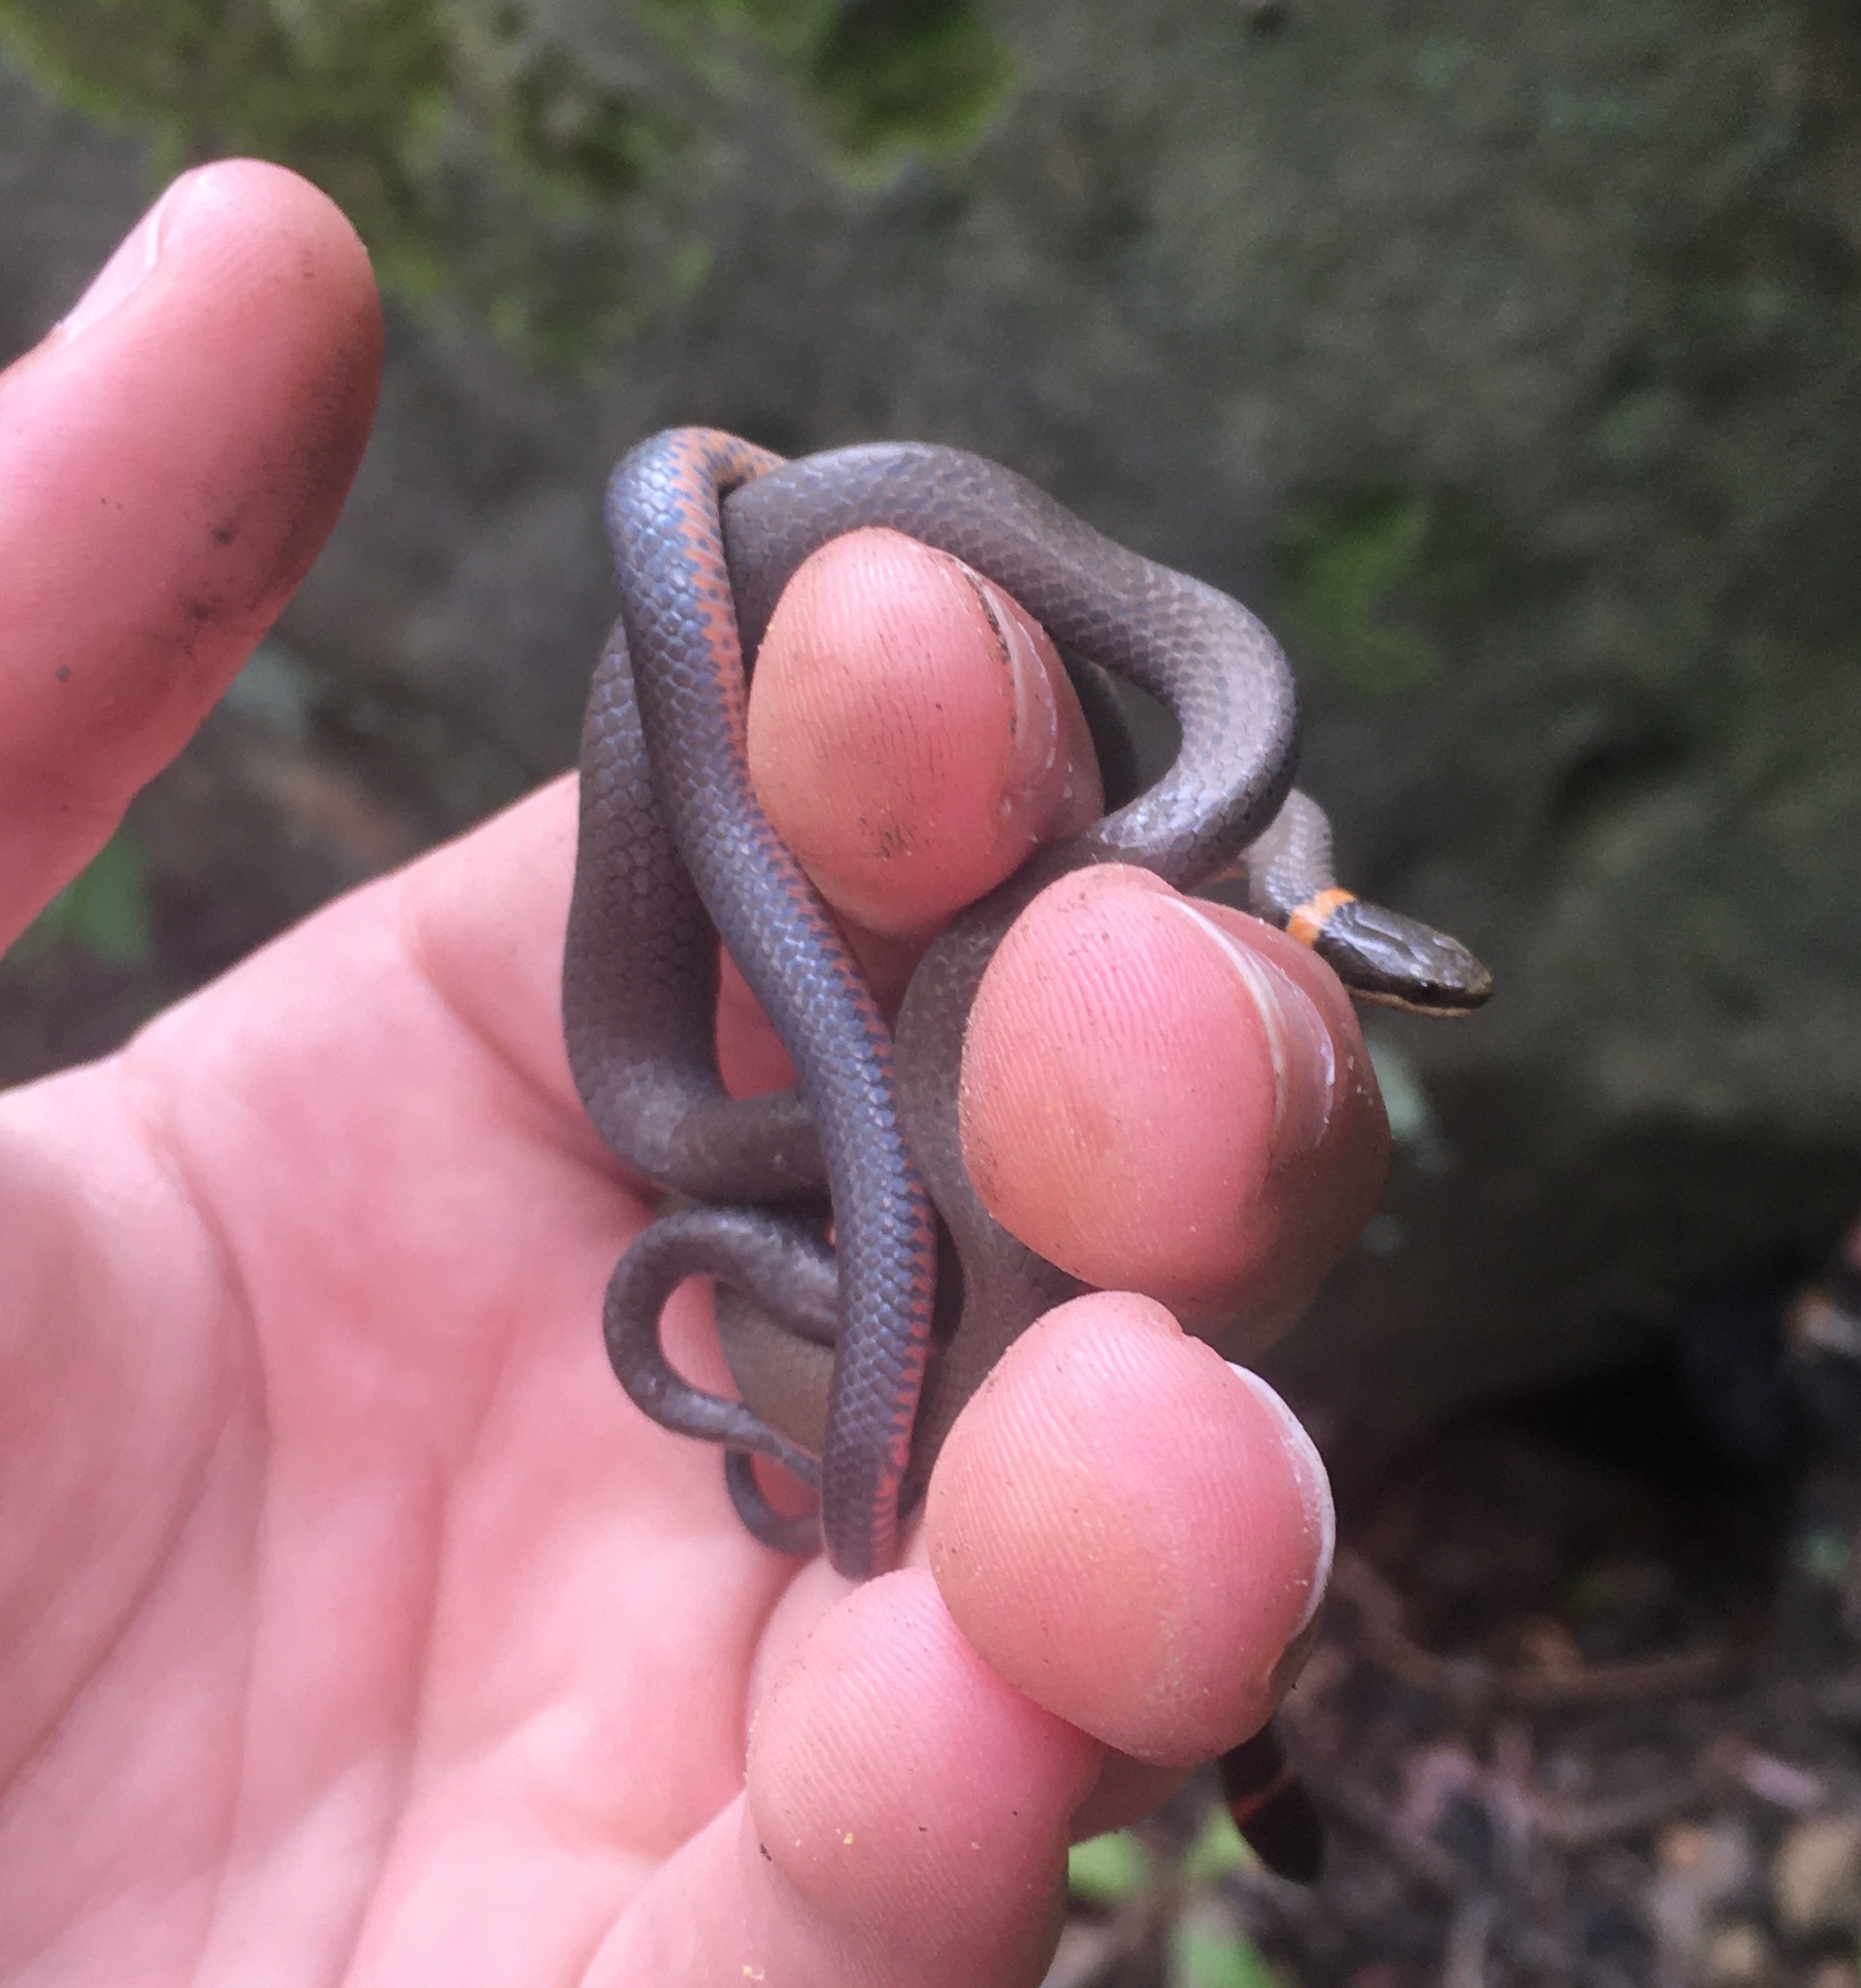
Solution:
(1340, 569)
(548, 184)
(1217, 1852)
(1825, 1554)
(1109, 1869)
(1113, 1869)
(1216, 1957)
(889, 77)
(104, 909)
(1181, 1896)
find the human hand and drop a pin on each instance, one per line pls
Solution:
(353, 1625)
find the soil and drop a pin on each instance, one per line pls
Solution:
(1586, 1707)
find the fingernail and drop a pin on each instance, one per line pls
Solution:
(1034, 711)
(1304, 1057)
(1293, 1659)
(1315, 1488)
(1036, 734)
(136, 255)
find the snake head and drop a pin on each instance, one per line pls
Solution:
(1399, 962)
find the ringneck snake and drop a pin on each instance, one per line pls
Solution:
(854, 1356)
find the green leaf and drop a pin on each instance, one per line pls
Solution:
(1107, 1870)
(105, 911)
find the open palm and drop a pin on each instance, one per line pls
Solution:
(352, 1627)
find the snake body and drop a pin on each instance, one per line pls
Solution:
(853, 1360)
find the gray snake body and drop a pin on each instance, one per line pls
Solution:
(851, 1367)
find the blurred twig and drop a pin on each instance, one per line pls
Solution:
(1473, 1683)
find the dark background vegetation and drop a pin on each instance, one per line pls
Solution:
(1508, 358)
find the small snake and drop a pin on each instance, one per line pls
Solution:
(854, 1359)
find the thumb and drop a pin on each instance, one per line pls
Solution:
(173, 456)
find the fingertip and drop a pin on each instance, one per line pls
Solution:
(265, 269)
(276, 255)
(908, 1794)
(912, 731)
(1126, 1532)
(273, 233)
(1163, 1096)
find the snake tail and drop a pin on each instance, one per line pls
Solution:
(1271, 1807)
